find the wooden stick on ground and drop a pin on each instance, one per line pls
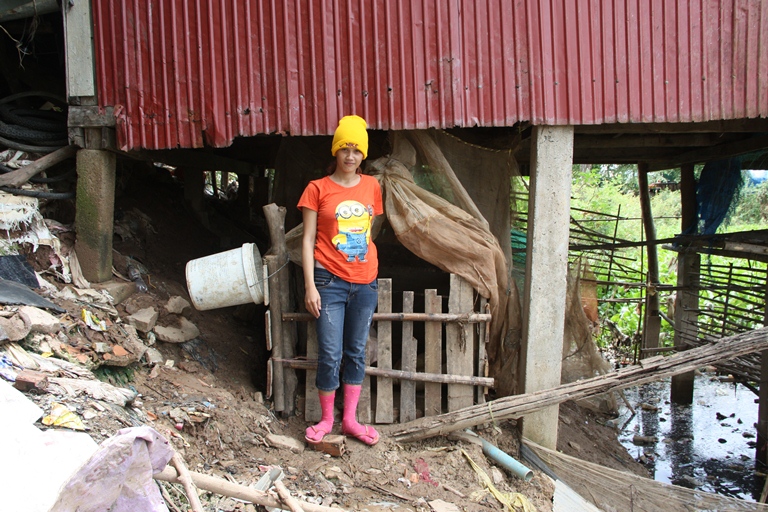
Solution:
(649, 370)
(22, 175)
(186, 480)
(220, 486)
(285, 495)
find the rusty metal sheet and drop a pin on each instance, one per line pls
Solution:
(194, 73)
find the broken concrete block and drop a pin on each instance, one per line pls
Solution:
(144, 319)
(132, 343)
(102, 348)
(39, 320)
(185, 332)
(285, 443)
(118, 290)
(15, 328)
(178, 306)
(29, 380)
(153, 356)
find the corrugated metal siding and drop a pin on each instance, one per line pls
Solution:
(189, 73)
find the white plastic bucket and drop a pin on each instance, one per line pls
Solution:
(225, 279)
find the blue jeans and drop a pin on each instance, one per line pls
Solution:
(346, 312)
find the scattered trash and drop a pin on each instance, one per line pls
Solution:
(61, 416)
(135, 275)
(93, 321)
(15, 267)
(513, 501)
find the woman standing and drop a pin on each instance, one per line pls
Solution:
(340, 270)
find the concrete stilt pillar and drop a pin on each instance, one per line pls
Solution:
(545, 274)
(94, 219)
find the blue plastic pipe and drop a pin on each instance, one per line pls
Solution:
(507, 462)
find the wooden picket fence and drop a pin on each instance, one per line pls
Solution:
(458, 337)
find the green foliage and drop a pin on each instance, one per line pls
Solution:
(605, 200)
(753, 207)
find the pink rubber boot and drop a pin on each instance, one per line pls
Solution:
(349, 424)
(316, 433)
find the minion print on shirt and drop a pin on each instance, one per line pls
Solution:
(354, 227)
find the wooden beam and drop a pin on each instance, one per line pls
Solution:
(652, 140)
(90, 117)
(724, 126)
(718, 152)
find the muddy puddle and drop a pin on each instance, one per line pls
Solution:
(709, 445)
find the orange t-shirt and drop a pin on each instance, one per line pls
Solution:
(344, 218)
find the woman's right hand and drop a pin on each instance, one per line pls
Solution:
(312, 301)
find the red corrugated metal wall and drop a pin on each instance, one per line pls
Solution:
(187, 72)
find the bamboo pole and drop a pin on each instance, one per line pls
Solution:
(291, 502)
(649, 370)
(186, 481)
(232, 490)
(308, 364)
(463, 318)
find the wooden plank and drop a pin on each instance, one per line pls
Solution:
(78, 42)
(312, 411)
(384, 395)
(87, 116)
(651, 370)
(459, 344)
(482, 356)
(433, 354)
(364, 405)
(408, 364)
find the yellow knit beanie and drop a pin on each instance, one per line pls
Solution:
(351, 132)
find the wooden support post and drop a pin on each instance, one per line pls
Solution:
(652, 326)
(364, 414)
(687, 299)
(408, 358)
(482, 357)
(277, 385)
(459, 343)
(285, 382)
(433, 353)
(384, 395)
(761, 450)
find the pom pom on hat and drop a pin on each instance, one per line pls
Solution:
(351, 132)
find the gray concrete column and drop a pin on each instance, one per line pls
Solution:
(94, 218)
(546, 273)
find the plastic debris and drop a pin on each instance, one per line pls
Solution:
(61, 416)
(134, 274)
(513, 502)
(93, 321)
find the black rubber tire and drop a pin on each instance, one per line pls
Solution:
(43, 120)
(28, 148)
(40, 94)
(38, 193)
(28, 135)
